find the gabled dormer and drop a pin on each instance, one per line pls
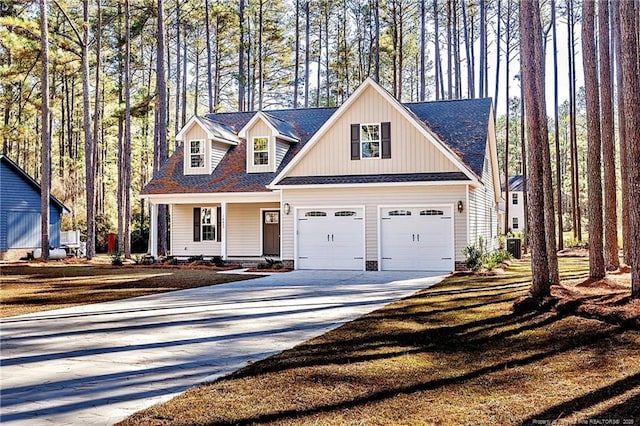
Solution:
(268, 139)
(205, 144)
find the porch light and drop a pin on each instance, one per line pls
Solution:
(460, 207)
(287, 208)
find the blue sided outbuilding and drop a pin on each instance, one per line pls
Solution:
(20, 217)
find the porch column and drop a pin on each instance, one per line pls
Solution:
(153, 230)
(223, 248)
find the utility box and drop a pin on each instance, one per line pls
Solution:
(514, 247)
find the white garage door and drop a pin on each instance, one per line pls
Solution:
(417, 239)
(330, 238)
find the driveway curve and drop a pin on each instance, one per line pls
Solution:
(98, 364)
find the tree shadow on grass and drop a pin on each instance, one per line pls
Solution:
(630, 408)
(388, 393)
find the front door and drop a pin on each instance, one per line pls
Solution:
(271, 233)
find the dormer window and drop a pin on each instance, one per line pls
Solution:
(196, 153)
(260, 151)
(370, 140)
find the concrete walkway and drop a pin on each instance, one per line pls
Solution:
(98, 364)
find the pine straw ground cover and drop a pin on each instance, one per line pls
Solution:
(453, 354)
(39, 286)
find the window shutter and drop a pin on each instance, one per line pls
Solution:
(355, 141)
(196, 224)
(385, 136)
(219, 224)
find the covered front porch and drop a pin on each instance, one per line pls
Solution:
(236, 227)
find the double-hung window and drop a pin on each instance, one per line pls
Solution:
(207, 223)
(514, 198)
(515, 223)
(260, 151)
(370, 140)
(196, 153)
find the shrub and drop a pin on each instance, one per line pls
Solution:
(473, 257)
(263, 265)
(217, 260)
(170, 260)
(499, 256)
(199, 259)
(278, 265)
(116, 259)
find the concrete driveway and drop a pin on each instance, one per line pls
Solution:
(97, 364)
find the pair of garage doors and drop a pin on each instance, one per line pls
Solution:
(411, 238)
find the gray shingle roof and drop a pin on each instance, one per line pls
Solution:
(386, 178)
(462, 125)
(515, 183)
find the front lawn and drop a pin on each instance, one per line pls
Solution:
(34, 287)
(453, 354)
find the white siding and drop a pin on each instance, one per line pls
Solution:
(483, 210)
(182, 244)
(244, 228)
(372, 198)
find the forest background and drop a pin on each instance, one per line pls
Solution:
(229, 55)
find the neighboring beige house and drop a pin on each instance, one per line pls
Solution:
(372, 185)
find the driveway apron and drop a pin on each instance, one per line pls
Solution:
(97, 364)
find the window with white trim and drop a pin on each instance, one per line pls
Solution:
(207, 224)
(196, 152)
(515, 224)
(370, 140)
(260, 151)
(514, 198)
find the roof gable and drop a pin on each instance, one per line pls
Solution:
(410, 116)
(215, 130)
(280, 128)
(11, 165)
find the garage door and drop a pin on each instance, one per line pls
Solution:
(417, 239)
(330, 238)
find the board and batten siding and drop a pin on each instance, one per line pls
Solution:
(260, 129)
(372, 198)
(182, 244)
(20, 219)
(196, 132)
(483, 210)
(411, 152)
(244, 227)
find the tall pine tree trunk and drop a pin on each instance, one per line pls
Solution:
(208, 36)
(611, 257)
(624, 157)
(160, 149)
(242, 79)
(127, 134)
(529, 25)
(557, 125)
(89, 145)
(549, 211)
(594, 167)
(45, 171)
(629, 45)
